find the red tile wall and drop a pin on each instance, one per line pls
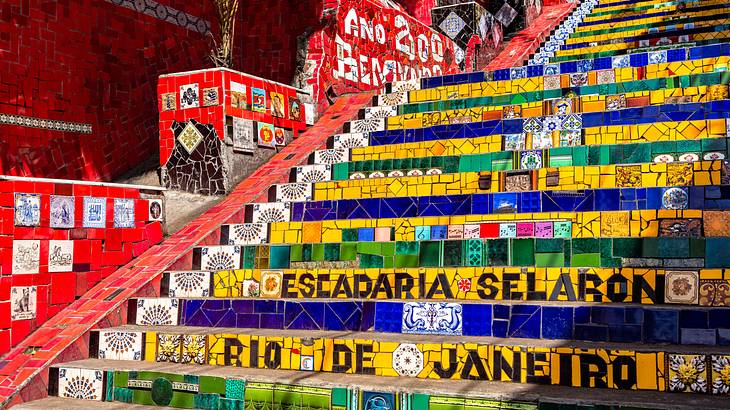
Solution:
(97, 252)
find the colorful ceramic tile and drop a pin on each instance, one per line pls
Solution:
(250, 288)
(351, 140)
(211, 96)
(368, 125)
(657, 57)
(157, 312)
(265, 135)
(525, 229)
(628, 176)
(714, 292)
(687, 373)
(531, 159)
(60, 255)
(120, 345)
(511, 111)
(562, 106)
(578, 79)
(217, 258)
(27, 209)
(423, 233)
(315, 173)
(306, 363)
(154, 210)
(381, 111)
(615, 102)
(717, 92)
(605, 77)
(720, 368)
(244, 135)
(168, 348)
(508, 230)
(406, 85)
(407, 360)
(551, 82)
(189, 96)
(514, 142)
(542, 140)
(190, 137)
(393, 99)
(189, 284)
(62, 211)
(282, 136)
(532, 124)
(26, 256)
(543, 229)
(193, 349)
(455, 232)
(471, 231)
(269, 212)
(94, 212)
(570, 138)
(675, 198)
(682, 287)
(331, 156)
(123, 213)
(562, 229)
(23, 301)
(620, 61)
(86, 384)
(572, 122)
(271, 284)
(239, 96)
(293, 192)
(553, 123)
(258, 100)
(432, 318)
(517, 181)
(277, 104)
(296, 111)
(376, 401)
(169, 102)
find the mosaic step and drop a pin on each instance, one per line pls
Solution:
(183, 386)
(707, 287)
(608, 154)
(73, 403)
(566, 321)
(574, 364)
(398, 91)
(677, 252)
(585, 200)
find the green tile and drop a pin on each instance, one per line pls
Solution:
(627, 247)
(550, 260)
(406, 248)
(406, 261)
(543, 245)
(523, 252)
(249, 256)
(279, 257)
(307, 252)
(339, 397)
(332, 252)
(585, 245)
(697, 247)
(473, 252)
(387, 248)
(317, 251)
(586, 260)
(429, 254)
(348, 251)
(349, 235)
(452, 253)
(340, 171)
(498, 252)
(371, 261)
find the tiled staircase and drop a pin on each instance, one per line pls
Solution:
(552, 236)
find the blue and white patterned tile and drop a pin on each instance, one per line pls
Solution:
(123, 213)
(189, 284)
(94, 212)
(247, 234)
(268, 212)
(27, 209)
(351, 140)
(314, 173)
(62, 211)
(86, 384)
(294, 192)
(437, 318)
(120, 345)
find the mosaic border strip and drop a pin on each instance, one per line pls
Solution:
(166, 13)
(42, 123)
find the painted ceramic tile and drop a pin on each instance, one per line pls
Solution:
(251, 288)
(423, 233)
(517, 181)
(193, 349)
(713, 156)
(271, 284)
(415, 173)
(687, 373)
(314, 173)
(561, 106)
(714, 292)
(396, 174)
(123, 213)
(717, 92)
(471, 231)
(211, 96)
(525, 229)
(60, 256)
(507, 230)
(190, 138)
(514, 142)
(620, 61)
(542, 140)
(376, 401)
(531, 159)
(615, 102)
(516, 73)
(157, 312)
(26, 256)
(271, 212)
(62, 211)
(543, 229)
(306, 363)
(562, 229)
(505, 202)
(435, 318)
(407, 360)
(606, 77)
(169, 101)
(551, 82)
(27, 209)
(553, 123)
(664, 158)
(282, 136)
(532, 124)
(351, 140)
(277, 104)
(154, 210)
(679, 174)
(452, 25)
(455, 232)
(628, 176)
(680, 228)
(296, 111)
(675, 198)
(369, 125)
(189, 96)
(293, 192)
(331, 156)
(217, 258)
(511, 111)
(189, 284)
(239, 96)
(247, 234)
(86, 384)
(168, 348)
(578, 79)
(682, 287)
(258, 100)
(406, 85)
(716, 223)
(572, 122)
(570, 138)
(243, 135)
(120, 345)
(23, 302)
(94, 212)
(265, 135)
(381, 111)
(720, 374)
(310, 113)
(393, 99)
(551, 69)
(689, 157)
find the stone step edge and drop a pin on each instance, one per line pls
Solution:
(414, 338)
(457, 388)
(67, 403)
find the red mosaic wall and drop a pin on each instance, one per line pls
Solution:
(94, 62)
(96, 252)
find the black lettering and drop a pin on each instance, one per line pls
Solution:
(448, 372)
(339, 366)
(617, 288)
(629, 364)
(342, 286)
(593, 371)
(288, 291)
(508, 285)
(485, 288)
(403, 285)
(273, 355)
(253, 355)
(382, 284)
(532, 358)
(323, 278)
(563, 286)
(359, 292)
(229, 357)
(440, 287)
(586, 292)
(512, 370)
(641, 286)
(532, 293)
(473, 361)
(360, 367)
(306, 285)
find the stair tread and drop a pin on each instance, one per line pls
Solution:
(462, 388)
(424, 338)
(63, 403)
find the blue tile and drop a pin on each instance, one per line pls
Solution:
(525, 325)
(499, 328)
(557, 322)
(501, 311)
(661, 326)
(607, 315)
(477, 319)
(625, 333)
(723, 336)
(366, 234)
(719, 318)
(251, 321)
(694, 318)
(591, 333)
(388, 317)
(699, 337)
(272, 320)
